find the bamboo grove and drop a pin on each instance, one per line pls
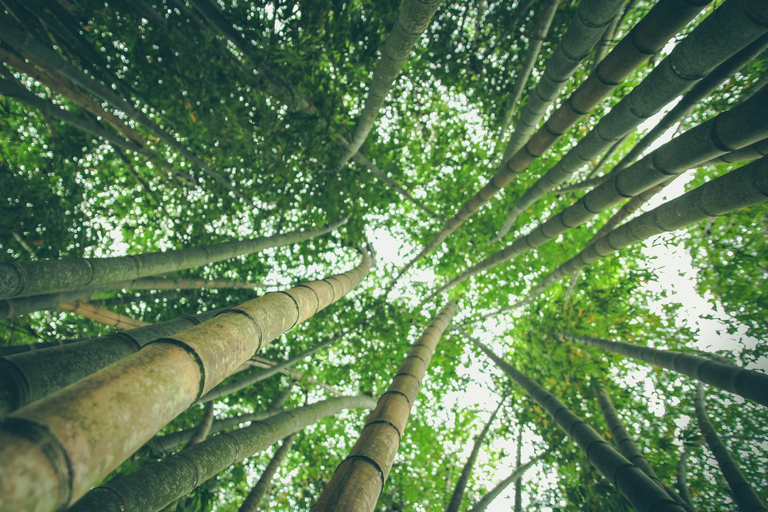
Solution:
(403, 255)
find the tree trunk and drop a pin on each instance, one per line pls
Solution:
(639, 490)
(753, 152)
(627, 446)
(166, 443)
(735, 128)
(749, 384)
(101, 315)
(604, 44)
(359, 479)
(202, 429)
(412, 20)
(158, 283)
(175, 372)
(518, 463)
(494, 493)
(23, 279)
(154, 486)
(466, 472)
(260, 362)
(261, 488)
(664, 20)
(743, 493)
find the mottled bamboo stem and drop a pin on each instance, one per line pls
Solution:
(494, 493)
(101, 315)
(261, 487)
(359, 479)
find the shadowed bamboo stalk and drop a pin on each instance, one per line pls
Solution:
(22, 279)
(750, 384)
(743, 493)
(753, 152)
(202, 429)
(635, 485)
(58, 447)
(412, 20)
(738, 189)
(627, 446)
(518, 463)
(261, 488)
(683, 108)
(101, 315)
(166, 443)
(358, 481)
(153, 487)
(682, 484)
(466, 472)
(482, 504)
(649, 36)
(159, 283)
(735, 128)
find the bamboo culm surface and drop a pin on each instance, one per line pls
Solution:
(494, 493)
(261, 487)
(154, 486)
(60, 446)
(358, 481)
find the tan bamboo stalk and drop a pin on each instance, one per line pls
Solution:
(738, 189)
(604, 44)
(203, 428)
(482, 504)
(743, 493)
(158, 283)
(646, 38)
(46, 58)
(735, 128)
(535, 42)
(61, 445)
(101, 315)
(260, 362)
(749, 384)
(683, 108)
(635, 485)
(627, 446)
(155, 486)
(22, 279)
(166, 443)
(412, 20)
(358, 481)
(261, 488)
(44, 302)
(461, 484)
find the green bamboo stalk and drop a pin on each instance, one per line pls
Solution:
(358, 481)
(735, 128)
(261, 488)
(166, 443)
(412, 20)
(682, 484)
(743, 493)
(200, 432)
(635, 485)
(749, 384)
(101, 315)
(458, 492)
(627, 446)
(482, 504)
(158, 283)
(61, 445)
(23, 279)
(753, 152)
(650, 35)
(153, 487)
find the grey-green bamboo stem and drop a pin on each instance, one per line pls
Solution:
(261, 487)
(743, 493)
(412, 20)
(750, 384)
(682, 481)
(466, 472)
(494, 493)
(518, 464)
(753, 152)
(23, 279)
(202, 429)
(635, 485)
(153, 487)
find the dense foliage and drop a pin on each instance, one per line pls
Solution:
(66, 193)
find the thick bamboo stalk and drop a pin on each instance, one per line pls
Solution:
(261, 487)
(76, 436)
(750, 384)
(650, 35)
(153, 487)
(535, 42)
(412, 20)
(166, 443)
(738, 189)
(159, 283)
(753, 152)
(635, 485)
(22, 279)
(358, 481)
(482, 504)
(735, 128)
(101, 315)
(627, 446)
(743, 493)
(461, 484)
(45, 302)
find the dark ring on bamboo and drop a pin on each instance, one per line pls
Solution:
(637, 45)
(580, 17)
(385, 422)
(753, 15)
(316, 296)
(680, 73)
(298, 310)
(191, 351)
(550, 130)
(394, 391)
(255, 322)
(236, 444)
(633, 110)
(570, 105)
(369, 461)
(409, 373)
(182, 455)
(333, 291)
(719, 144)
